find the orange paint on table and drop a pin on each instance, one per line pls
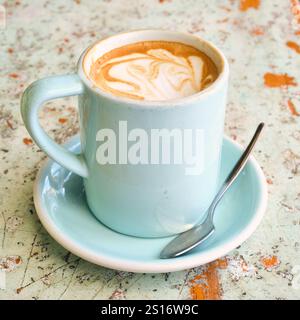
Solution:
(273, 80)
(292, 108)
(257, 31)
(18, 260)
(13, 75)
(62, 120)
(9, 263)
(270, 262)
(294, 46)
(269, 181)
(27, 141)
(247, 4)
(206, 285)
(295, 10)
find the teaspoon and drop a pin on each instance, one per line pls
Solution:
(191, 238)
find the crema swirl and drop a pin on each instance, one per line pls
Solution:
(153, 70)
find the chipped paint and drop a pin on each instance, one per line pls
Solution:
(10, 263)
(206, 285)
(257, 31)
(295, 6)
(27, 141)
(14, 75)
(270, 262)
(294, 46)
(62, 120)
(273, 80)
(118, 294)
(292, 108)
(247, 4)
(238, 268)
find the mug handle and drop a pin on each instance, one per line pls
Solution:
(33, 97)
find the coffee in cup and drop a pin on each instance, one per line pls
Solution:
(153, 70)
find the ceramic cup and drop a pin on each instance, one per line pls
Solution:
(138, 199)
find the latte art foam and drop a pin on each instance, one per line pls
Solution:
(153, 70)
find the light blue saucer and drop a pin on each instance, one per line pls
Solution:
(60, 203)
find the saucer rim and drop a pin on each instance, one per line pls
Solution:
(156, 265)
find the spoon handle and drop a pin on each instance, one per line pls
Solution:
(235, 171)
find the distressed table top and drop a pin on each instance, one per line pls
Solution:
(261, 39)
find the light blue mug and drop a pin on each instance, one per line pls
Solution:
(138, 199)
